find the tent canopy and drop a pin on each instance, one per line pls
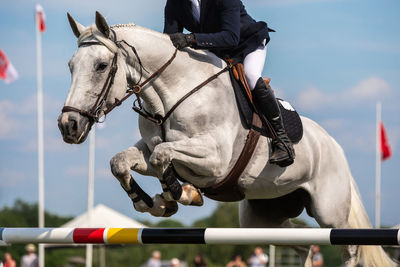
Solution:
(103, 216)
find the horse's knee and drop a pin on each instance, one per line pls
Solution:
(119, 166)
(161, 156)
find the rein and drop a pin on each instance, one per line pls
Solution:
(159, 120)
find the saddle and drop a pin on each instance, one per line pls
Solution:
(228, 189)
(290, 117)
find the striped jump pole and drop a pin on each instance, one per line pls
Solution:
(276, 236)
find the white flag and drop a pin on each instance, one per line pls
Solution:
(7, 71)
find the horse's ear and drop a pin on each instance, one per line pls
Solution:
(102, 25)
(76, 27)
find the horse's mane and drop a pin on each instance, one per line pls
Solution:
(92, 32)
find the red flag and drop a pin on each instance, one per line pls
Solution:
(40, 18)
(385, 147)
(7, 70)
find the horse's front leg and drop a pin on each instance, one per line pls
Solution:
(200, 155)
(136, 158)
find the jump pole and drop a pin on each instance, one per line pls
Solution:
(276, 236)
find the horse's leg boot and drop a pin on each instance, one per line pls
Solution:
(265, 101)
(170, 184)
(137, 194)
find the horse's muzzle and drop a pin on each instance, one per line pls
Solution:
(74, 127)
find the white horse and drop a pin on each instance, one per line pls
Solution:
(204, 136)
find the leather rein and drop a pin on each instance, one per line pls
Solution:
(94, 113)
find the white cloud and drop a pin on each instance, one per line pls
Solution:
(8, 124)
(18, 118)
(82, 171)
(11, 178)
(370, 89)
(332, 124)
(312, 99)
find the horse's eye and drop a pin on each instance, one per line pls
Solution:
(101, 66)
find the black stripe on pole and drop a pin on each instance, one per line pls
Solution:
(1, 233)
(364, 237)
(173, 236)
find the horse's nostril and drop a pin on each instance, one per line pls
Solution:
(74, 125)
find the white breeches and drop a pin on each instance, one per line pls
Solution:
(254, 64)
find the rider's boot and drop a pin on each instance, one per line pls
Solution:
(266, 103)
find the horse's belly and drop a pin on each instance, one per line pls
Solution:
(271, 183)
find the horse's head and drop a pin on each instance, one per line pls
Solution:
(98, 79)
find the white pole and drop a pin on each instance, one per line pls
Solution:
(378, 167)
(40, 135)
(102, 256)
(92, 138)
(271, 256)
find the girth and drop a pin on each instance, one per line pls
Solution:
(228, 190)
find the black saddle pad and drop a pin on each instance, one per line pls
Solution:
(291, 119)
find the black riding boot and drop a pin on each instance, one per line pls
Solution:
(265, 101)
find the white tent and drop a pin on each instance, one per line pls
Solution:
(103, 216)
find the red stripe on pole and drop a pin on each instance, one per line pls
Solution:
(88, 235)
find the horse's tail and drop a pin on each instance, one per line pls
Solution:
(372, 256)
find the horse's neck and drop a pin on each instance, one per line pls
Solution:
(154, 50)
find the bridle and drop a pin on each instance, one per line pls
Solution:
(94, 113)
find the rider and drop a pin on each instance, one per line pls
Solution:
(225, 28)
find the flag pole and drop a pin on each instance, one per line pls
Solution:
(40, 134)
(92, 145)
(378, 167)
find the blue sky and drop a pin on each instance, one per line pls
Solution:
(331, 59)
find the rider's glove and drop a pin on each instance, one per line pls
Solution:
(182, 40)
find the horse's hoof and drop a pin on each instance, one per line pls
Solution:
(140, 206)
(162, 207)
(197, 199)
(192, 194)
(171, 207)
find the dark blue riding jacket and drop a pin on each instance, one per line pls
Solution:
(225, 28)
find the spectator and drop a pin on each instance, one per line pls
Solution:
(175, 263)
(199, 261)
(317, 258)
(155, 260)
(30, 259)
(236, 262)
(8, 260)
(258, 259)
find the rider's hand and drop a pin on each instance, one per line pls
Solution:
(182, 40)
